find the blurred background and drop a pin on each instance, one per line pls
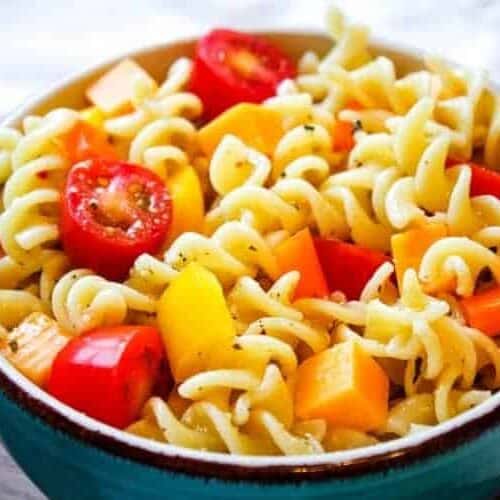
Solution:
(42, 41)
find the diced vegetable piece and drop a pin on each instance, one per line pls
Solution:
(347, 267)
(298, 254)
(84, 142)
(343, 136)
(109, 373)
(354, 105)
(197, 327)
(482, 311)
(93, 116)
(113, 92)
(111, 213)
(257, 126)
(343, 132)
(232, 67)
(187, 202)
(483, 179)
(409, 247)
(33, 345)
(345, 386)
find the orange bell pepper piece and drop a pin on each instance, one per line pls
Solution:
(298, 254)
(482, 311)
(84, 142)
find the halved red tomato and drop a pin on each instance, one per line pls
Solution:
(483, 179)
(112, 212)
(232, 67)
(108, 373)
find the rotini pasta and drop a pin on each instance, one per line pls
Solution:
(330, 287)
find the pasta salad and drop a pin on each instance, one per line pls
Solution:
(259, 255)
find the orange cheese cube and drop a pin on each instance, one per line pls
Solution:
(113, 92)
(344, 386)
(409, 247)
(257, 126)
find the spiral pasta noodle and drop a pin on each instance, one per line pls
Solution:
(357, 241)
(82, 301)
(24, 227)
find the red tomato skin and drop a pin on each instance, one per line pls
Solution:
(108, 373)
(347, 267)
(86, 243)
(483, 179)
(220, 87)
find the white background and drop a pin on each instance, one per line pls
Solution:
(44, 40)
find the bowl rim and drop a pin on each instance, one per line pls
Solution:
(378, 458)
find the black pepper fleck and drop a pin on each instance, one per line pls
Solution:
(14, 346)
(357, 125)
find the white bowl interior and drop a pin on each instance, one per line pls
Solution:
(156, 60)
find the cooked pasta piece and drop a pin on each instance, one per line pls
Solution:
(323, 240)
(82, 301)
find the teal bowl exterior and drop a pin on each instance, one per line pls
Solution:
(65, 467)
(72, 457)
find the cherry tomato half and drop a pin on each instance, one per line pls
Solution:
(232, 67)
(108, 373)
(112, 212)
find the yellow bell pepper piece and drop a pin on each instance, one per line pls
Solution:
(257, 126)
(93, 116)
(187, 202)
(197, 328)
(409, 247)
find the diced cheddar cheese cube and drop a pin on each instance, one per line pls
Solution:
(344, 386)
(409, 247)
(258, 127)
(113, 91)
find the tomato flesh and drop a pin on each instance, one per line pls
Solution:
(112, 212)
(232, 67)
(108, 373)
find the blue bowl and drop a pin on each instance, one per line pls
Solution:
(71, 456)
